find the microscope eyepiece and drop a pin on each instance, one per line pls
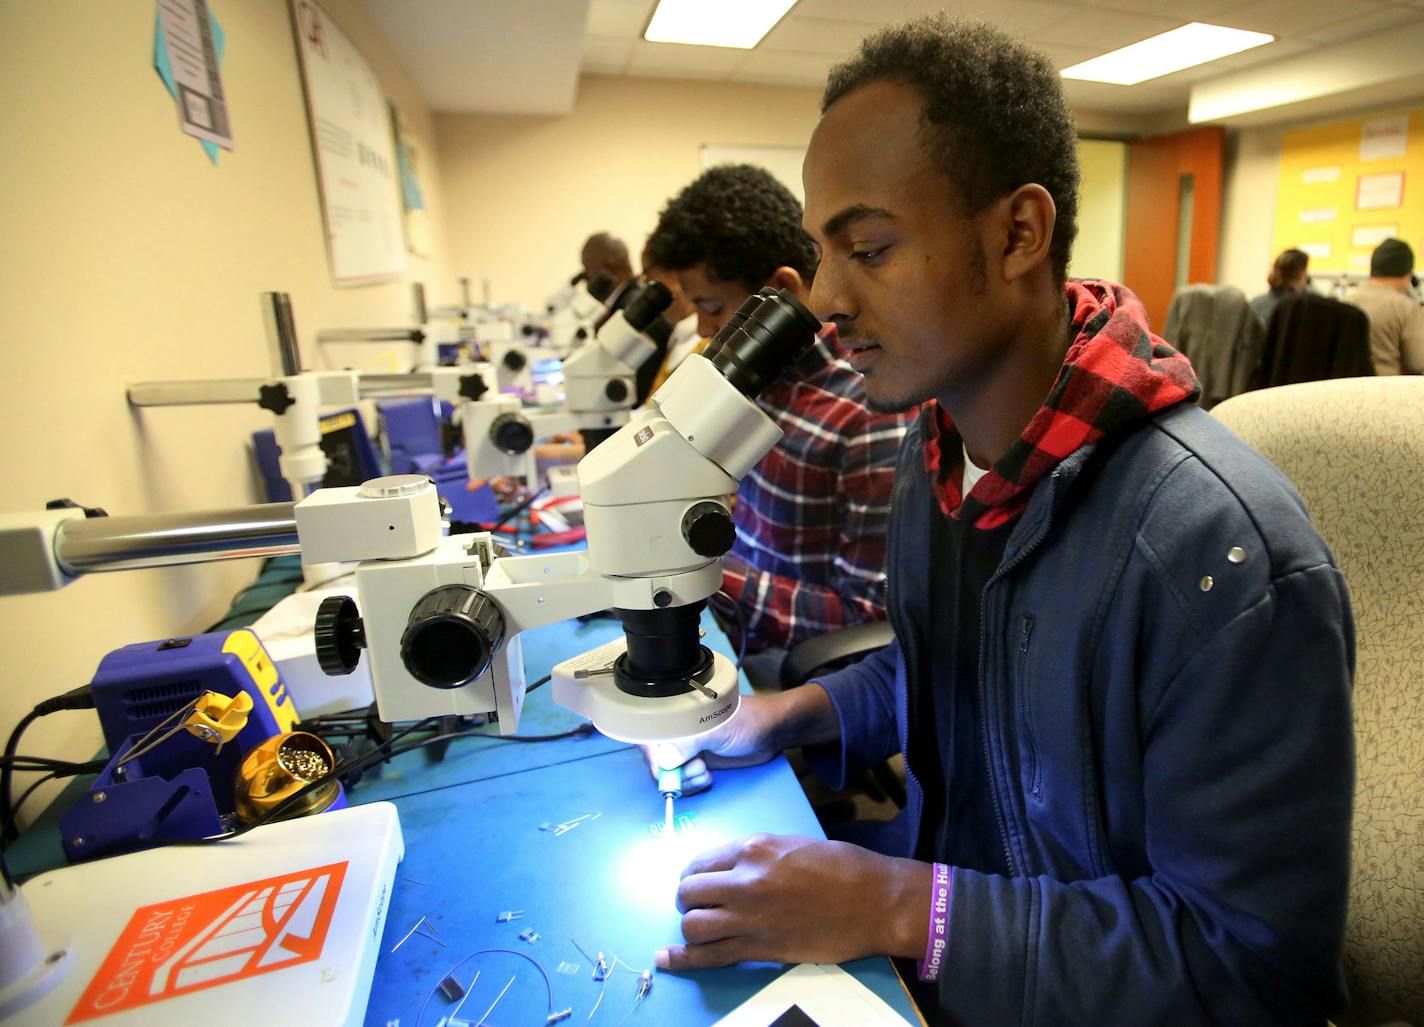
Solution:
(646, 304)
(601, 286)
(766, 334)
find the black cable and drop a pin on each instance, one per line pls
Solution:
(383, 751)
(20, 803)
(7, 818)
(741, 626)
(538, 684)
(81, 698)
(67, 768)
(518, 508)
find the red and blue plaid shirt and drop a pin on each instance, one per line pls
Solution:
(811, 516)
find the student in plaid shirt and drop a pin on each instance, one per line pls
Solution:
(810, 551)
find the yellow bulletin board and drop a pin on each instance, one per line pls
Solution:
(1346, 187)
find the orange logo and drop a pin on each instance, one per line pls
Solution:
(185, 945)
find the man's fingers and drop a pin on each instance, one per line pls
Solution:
(717, 762)
(704, 926)
(723, 857)
(702, 891)
(700, 957)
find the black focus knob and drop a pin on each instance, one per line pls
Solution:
(514, 360)
(340, 635)
(708, 529)
(451, 636)
(511, 433)
(473, 387)
(616, 390)
(275, 398)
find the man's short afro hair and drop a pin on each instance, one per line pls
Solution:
(994, 110)
(738, 221)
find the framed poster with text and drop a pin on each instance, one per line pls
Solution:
(356, 167)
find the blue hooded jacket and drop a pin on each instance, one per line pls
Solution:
(1165, 667)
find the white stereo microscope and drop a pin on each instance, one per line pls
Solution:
(600, 388)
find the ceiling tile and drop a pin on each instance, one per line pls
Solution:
(1382, 20)
(800, 34)
(1293, 17)
(606, 56)
(781, 68)
(1065, 56)
(1019, 17)
(1102, 31)
(625, 18)
(1182, 11)
(677, 60)
(881, 12)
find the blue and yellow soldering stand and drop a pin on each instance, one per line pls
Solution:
(178, 715)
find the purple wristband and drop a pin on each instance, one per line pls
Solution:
(939, 926)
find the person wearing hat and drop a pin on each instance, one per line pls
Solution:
(1396, 319)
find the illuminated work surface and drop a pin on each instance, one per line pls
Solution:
(473, 840)
(477, 849)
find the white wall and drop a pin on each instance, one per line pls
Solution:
(1249, 183)
(1102, 210)
(523, 193)
(129, 256)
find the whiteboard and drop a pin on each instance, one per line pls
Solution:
(784, 162)
(351, 139)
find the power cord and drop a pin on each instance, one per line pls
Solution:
(81, 698)
(741, 626)
(384, 751)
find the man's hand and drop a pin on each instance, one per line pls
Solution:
(746, 740)
(798, 900)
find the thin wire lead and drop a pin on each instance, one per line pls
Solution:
(487, 1012)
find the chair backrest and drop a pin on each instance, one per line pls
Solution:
(1215, 328)
(1354, 447)
(1311, 338)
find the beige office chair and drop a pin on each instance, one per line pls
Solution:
(1354, 447)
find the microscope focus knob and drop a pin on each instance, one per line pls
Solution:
(514, 360)
(708, 529)
(452, 633)
(340, 635)
(616, 390)
(473, 387)
(511, 434)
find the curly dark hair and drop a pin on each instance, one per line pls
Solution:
(737, 220)
(994, 112)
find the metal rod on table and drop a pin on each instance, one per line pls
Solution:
(370, 335)
(465, 293)
(163, 540)
(417, 295)
(377, 384)
(189, 393)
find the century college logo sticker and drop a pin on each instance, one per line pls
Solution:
(184, 945)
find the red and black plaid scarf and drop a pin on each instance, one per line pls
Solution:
(1115, 372)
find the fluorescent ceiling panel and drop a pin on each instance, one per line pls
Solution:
(1163, 54)
(735, 23)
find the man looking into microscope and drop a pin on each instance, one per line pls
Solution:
(1123, 656)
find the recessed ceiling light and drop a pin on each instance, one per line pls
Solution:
(735, 23)
(1163, 54)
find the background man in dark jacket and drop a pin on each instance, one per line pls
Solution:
(1123, 655)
